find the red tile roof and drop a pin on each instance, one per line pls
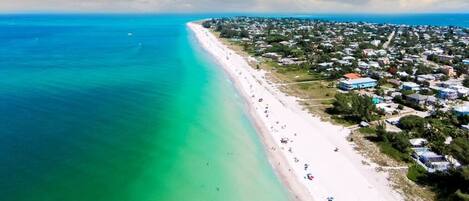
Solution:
(352, 76)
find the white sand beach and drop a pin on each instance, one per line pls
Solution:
(293, 137)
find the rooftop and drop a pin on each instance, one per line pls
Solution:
(418, 141)
(410, 84)
(417, 97)
(359, 80)
(352, 76)
(462, 108)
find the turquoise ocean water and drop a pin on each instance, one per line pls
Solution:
(123, 107)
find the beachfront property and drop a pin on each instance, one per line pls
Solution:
(408, 61)
(432, 161)
(428, 159)
(360, 83)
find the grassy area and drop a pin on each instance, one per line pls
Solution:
(289, 74)
(327, 102)
(367, 131)
(312, 90)
(342, 121)
(387, 86)
(387, 149)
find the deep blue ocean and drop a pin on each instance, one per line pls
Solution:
(129, 107)
(455, 19)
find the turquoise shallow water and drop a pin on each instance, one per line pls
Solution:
(121, 107)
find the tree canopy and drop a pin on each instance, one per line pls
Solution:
(354, 107)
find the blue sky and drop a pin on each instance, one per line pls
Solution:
(348, 6)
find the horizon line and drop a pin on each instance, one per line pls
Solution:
(234, 12)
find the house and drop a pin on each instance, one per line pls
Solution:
(386, 108)
(352, 76)
(272, 55)
(417, 99)
(465, 127)
(348, 58)
(418, 142)
(363, 65)
(384, 61)
(369, 52)
(375, 42)
(445, 58)
(344, 63)
(326, 65)
(449, 94)
(461, 110)
(360, 83)
(433, 162)
(432, 100)
(402, 74)
(465, 61)
(373, 64)
(381, 52)
(410, 86)
(348, 51)
(462, 91)
(426, 77)
(429, 160)
(408, 60)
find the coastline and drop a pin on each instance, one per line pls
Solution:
(344, 175)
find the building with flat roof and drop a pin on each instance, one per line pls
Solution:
(449, 94)
(361, 83)
(412, 86)
(417, 99)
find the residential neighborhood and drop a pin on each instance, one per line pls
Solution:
(407, 86)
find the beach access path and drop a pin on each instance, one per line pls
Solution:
(297, 143)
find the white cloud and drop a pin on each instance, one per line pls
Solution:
(237, 5)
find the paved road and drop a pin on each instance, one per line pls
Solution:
(390, 37)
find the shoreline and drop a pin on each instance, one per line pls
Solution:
(305, 139)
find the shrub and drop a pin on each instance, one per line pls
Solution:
(416, 172)
(387, 149)
(411, 122)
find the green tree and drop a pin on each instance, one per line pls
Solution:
(459, 148)
(465, 82)
(355, 107)
(411, 122)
